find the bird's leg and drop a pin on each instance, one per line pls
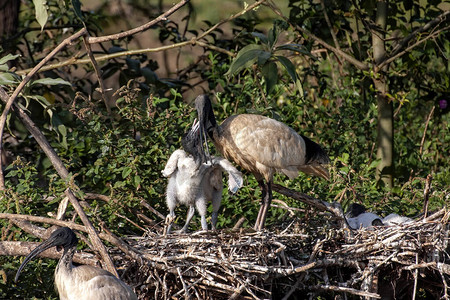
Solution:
(216, 201)
(266, 189)
(189, 216)
(169, 221)
(202, 205)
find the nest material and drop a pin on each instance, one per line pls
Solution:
(248, 265)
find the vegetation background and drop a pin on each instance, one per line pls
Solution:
(369, 81)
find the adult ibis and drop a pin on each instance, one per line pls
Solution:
(261, 145)
(79, 282)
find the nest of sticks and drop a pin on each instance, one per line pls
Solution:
(401, 261)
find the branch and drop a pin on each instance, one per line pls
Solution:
(163, 17)
(8, 248)
(334, 208)
(392, 58)
(75, 61)
(108, 236)
(99, 75)
(413, 34)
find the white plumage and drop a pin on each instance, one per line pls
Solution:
(196, 184)
(79, 282)
(357, 218)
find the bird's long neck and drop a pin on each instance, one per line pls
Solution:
(211, 124)
(65, 262)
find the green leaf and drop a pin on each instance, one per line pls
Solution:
(41, 12)
(290, 68)
(7, 79)
(76, 4)
(126, 171)
(270, 73)
(261, 36)
(7, 58)
(245, 58)
(51, 81)
(263, 57)
(296, 48)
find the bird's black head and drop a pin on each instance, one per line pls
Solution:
(192, 143)
(61, 238)
(314, 153)
(205, 114)
(355, 210)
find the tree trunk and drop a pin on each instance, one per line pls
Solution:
(385, 150)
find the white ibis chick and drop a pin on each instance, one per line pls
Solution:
(79, 282)
(262, 146)
(194, 183)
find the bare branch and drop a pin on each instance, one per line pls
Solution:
(423, 28)
(163, 17)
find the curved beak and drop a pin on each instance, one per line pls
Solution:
(317, 170)
(36, 251)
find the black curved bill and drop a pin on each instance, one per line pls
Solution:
(36, 251)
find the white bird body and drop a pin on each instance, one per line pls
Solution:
(363, 220)
(194, 184)
(357, 218)
(262, 146)
(87, 283)
(395, 219)
(80, 282)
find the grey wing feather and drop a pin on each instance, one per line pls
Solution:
(172, 163)
(235, 179)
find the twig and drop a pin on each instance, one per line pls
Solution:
(423, 28)
(334, 208)
(327, 19)
(387, 61)
(107, 236)
(345, 290)
(185, 287)
(426, 195)
(99, 76)
(8, 248)
(162, 17)
(425, 130)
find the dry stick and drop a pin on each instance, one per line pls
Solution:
(426, 195)
(334, 208)
(425, 129)
(99, 75)
(330, 26)
(64, 174)
(14, 248)
(425, 27)
(345, 290)
(392, 58)
(10, 101)
(185, 286)
(74, 61)
(107, 236)
(163, 17)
